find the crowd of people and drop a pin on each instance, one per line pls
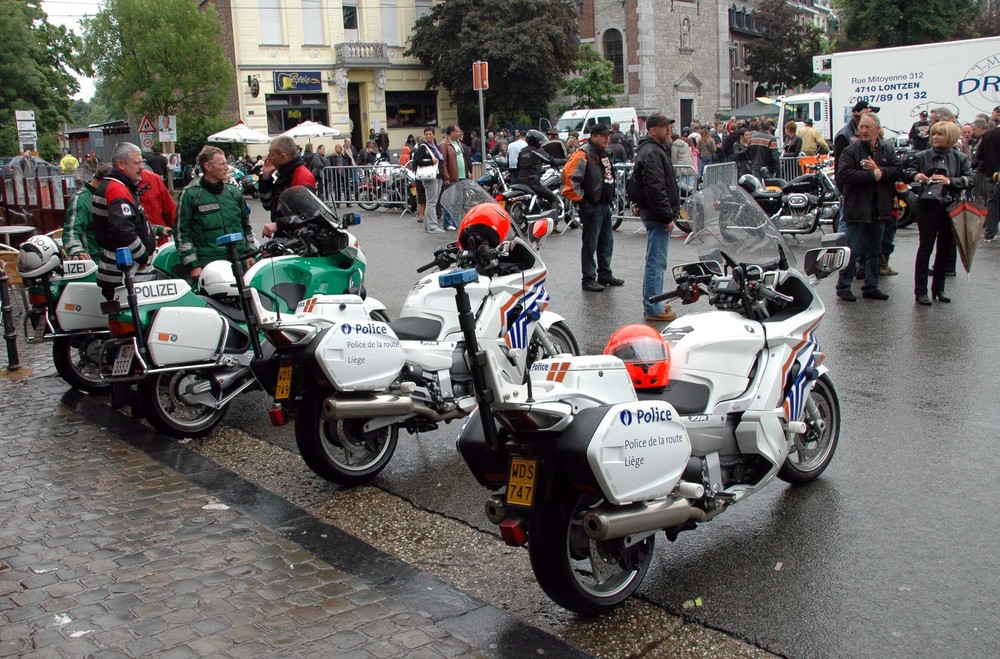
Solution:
(127, 205)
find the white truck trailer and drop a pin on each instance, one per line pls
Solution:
(963, 76)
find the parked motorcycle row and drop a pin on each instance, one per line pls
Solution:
(588, 456)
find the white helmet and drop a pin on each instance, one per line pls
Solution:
(38, 255)
(217, 280)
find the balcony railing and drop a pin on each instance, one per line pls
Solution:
(358, 53)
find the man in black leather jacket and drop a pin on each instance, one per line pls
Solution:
(531, 162)
(659, 203)
(867, 172)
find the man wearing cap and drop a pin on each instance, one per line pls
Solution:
(812, 139)
(995, 117)
(655, 188)
(920, 133)
(846, 136)
(589, 181)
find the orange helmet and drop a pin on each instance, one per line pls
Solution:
(645, 353)
(486, 223)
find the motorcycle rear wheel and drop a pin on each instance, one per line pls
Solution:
(815, 448)
(77, 360)
(518, 213)
(907, 211)
(588, 577)
(367, 198)
(339, 451)
(160, 399)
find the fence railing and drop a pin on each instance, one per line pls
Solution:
(369, 186)
(623, 209)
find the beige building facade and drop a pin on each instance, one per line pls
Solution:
(336, 62)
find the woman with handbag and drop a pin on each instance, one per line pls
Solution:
(944, 172)
(427, 159)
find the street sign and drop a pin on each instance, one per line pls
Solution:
(146, 126)
(26, 125)
(27, 136)
(147, 142)
(24, 115)
(480, 75)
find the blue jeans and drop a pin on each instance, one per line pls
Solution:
(657, 242)
(859, 233)
(599, 240)
(446, 219)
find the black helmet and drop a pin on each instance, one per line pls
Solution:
(535, 137)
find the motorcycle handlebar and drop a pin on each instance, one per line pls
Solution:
(427, 266)
(772, 296)
(669, 295)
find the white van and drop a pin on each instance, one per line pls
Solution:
(582, 120)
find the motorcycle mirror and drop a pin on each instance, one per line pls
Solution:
(823, 262)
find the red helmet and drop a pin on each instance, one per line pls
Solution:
(645, 353)
(486, 223)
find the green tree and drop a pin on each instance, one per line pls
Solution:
(594, 86)
(160, 58)
(36, 64)
(530, 46)
(782, 57)
(885, 23)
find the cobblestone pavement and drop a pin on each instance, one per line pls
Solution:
(114, 542)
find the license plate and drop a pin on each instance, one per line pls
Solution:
(521, 482)
(283, 390)
(123, 361)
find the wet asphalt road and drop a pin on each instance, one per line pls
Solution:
(891, 553)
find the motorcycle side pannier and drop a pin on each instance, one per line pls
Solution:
(183, 335)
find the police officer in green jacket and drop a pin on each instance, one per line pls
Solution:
(209, 208)
(79, 241)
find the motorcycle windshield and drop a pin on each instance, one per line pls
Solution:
(726, 219)
(461, 197)
(300, 205)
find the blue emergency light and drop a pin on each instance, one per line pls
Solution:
(228, 239)
(123, 258)
(458, 278)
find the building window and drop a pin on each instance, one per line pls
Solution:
(411, 109)
(389, 13)
(270, 22)
(615, 53)
(352, 23)
(312, 23)
(286, 111)
(423, 8)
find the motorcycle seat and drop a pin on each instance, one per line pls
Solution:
(768, 195)
(413, 328)
(521, 187)
(233, 312)
(686, 397)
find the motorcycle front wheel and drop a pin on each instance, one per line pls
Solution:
(340, 451)
(588, 577)
(166, 403)
(814, 449)
(562, 338)
(77, 360)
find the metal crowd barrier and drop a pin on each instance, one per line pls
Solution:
(623, 209)
(369, 186)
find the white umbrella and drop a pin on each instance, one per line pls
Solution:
(310, 129)
(239, 134)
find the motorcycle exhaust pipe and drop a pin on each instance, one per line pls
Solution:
(611, 522)
(362, 408)
(496, 510)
